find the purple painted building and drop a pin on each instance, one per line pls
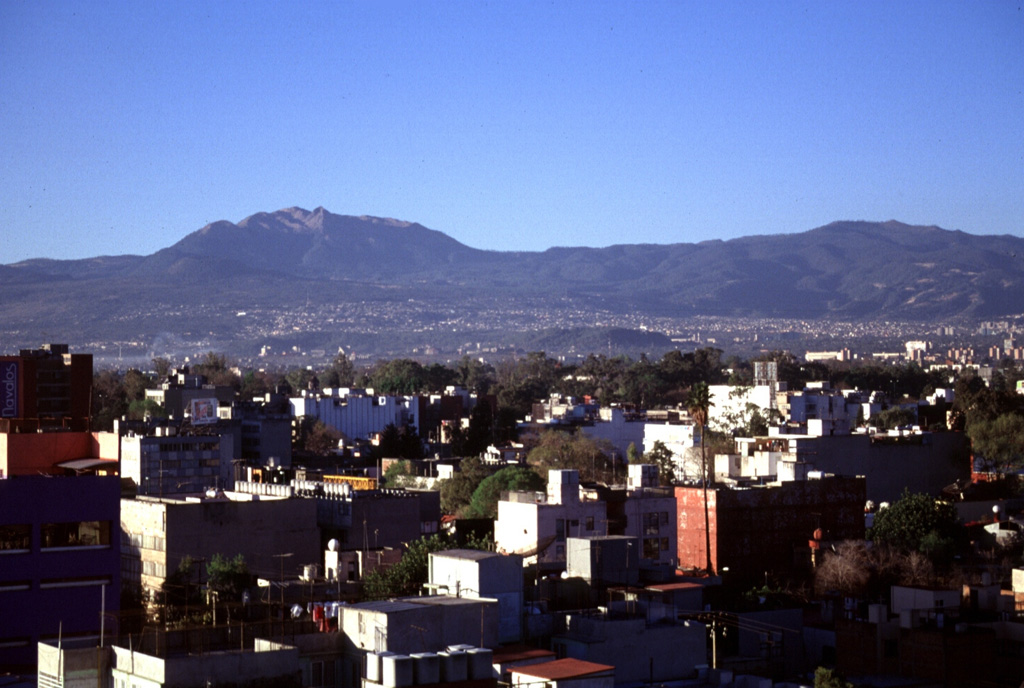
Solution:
(59, 559)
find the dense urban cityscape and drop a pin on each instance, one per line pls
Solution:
(404, 344)
(699, 517)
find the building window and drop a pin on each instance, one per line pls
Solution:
(651, 523)
(560, 529)
(590, 522)
(651, 548)
(560, 551)
(324, 674)
(663, 518)
(153, 542)
(76, 534)
(74, 582)
(131, 568)
(154, 568)
(15, 538)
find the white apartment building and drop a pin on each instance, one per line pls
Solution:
(650, 513)
(535, 525)
(732, 405)
(683, 440)
(357, 413)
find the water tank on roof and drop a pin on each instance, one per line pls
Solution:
(396, 671)
(426, 668)
(373, 666)
(454, 665)
(481, 665)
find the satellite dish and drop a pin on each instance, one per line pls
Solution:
(332, 545)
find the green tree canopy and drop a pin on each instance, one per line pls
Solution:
(520, 382)
(457, 491)
(258, 383)
(109, 399)
(480, 433)
(999, 440)
(474, 375)
(829, 678)
(893, 418)
(136, 383)
(399, 443)
(398, 376)
(229, 577)
(916, 522)
(140, 409)
(397, 472)
(162, 366)
(299, 379)
(340, 373)
(315, 437)
(562, 450)
(484, 503)
(180, 589)
(662, 457)
(410, 573)
(217, 369)
(438, 377)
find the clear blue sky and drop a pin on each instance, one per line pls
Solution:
(508, 125)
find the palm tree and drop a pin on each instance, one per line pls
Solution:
(698, 404)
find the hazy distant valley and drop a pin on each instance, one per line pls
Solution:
(298, 281)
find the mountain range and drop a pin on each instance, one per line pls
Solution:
(298, 260)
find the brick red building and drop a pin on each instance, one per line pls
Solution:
(46, 388)
(764, 530)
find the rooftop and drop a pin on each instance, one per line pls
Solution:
(564, 668)
(518, 653)
(467, 554)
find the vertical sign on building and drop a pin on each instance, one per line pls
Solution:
(9, 388)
